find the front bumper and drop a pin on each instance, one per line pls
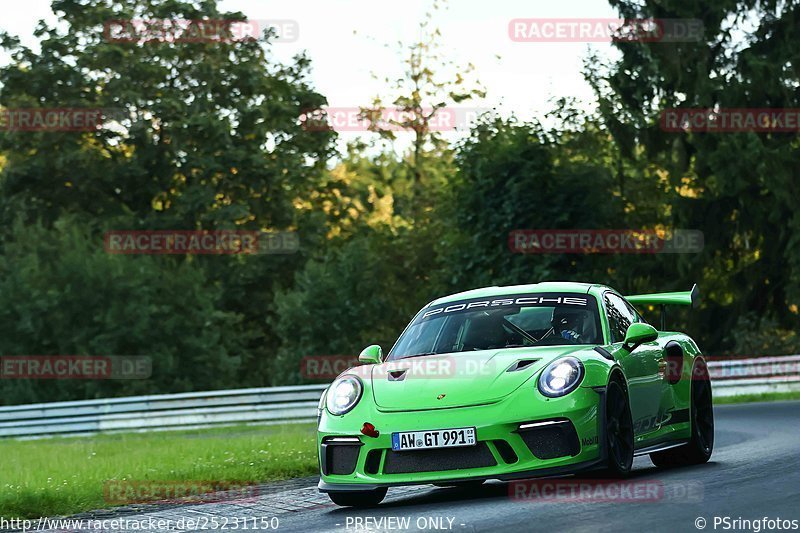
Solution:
(524, 435)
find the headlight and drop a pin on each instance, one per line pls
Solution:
(321, 406)
(343, 395)
(561, 377)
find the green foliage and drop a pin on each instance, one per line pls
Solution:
(429, 85)
(203, 135)
(209, 134)
(754, 335)
(740, 189)
(62, 294)
(511, 177)
(361, 293)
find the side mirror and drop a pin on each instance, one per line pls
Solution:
(372, 354)
(639, 333)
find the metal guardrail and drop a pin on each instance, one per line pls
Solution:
(167, 411)
(734, 377)
(295, 404)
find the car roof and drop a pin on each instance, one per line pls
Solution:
(545, 286)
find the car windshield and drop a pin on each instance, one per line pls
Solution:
(514, 321)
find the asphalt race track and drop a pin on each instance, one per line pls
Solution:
(754, 473)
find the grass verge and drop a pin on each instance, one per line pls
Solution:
(763, 397)
(63, 476)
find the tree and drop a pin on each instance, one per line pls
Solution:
(740, 188)
(386, 233)
(206, 135)
(61, 294)
(512, 176)
(430, 84)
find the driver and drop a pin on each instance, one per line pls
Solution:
(568, 323)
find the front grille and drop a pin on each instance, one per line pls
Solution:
(340, 459)
(438, 460)
(551, 441)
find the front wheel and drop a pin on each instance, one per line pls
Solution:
(701, 444)
(358, 498)
(618, 431)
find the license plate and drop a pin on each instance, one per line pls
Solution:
(437, 438)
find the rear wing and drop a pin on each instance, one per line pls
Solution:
(663, 299)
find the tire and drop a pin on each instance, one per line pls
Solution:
(618, 432)
(701, 444)
(358, 498)
(461, 484)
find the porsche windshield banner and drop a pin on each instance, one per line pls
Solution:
(545, 299)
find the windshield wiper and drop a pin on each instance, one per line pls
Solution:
(416, 355)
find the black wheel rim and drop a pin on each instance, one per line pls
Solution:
(619, 427)
(703, 410)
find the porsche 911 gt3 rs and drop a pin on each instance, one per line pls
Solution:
(517, 382)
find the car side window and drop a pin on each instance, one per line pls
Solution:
(636, 314)
(620, 316)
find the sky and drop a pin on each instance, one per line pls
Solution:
(346, 39)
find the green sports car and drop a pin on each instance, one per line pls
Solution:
(517, 382)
